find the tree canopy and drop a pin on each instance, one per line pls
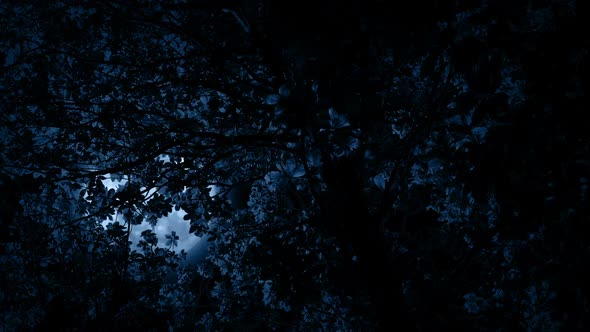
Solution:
(353, 165)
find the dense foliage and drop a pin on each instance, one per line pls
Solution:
(376, 167)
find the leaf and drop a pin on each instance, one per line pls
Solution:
(379, 181)
(337, 120)
(275, 180)
(172, 239)
(455, 120)
(353, 143)
(272, 99)
(434, 165)
(292, 168)
(313, 158)
(462, 142)
(480, 133)
(284, 91)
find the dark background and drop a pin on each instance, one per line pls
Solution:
(448, 188)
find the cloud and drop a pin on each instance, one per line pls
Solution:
(173, 222)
